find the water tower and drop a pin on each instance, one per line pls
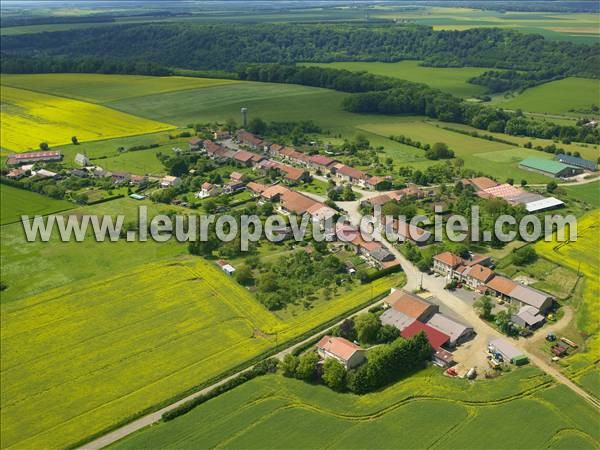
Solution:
(244, 112)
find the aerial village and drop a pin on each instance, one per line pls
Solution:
(254, 170)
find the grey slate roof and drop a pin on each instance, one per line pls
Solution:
(529, 296)
(450, 327)
(396, 319)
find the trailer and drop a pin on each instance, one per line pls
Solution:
(569, 342)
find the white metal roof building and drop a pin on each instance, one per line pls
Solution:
(396, 319)
(544, 204)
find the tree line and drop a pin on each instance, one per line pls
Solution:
(385, 95)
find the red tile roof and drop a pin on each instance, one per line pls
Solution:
(243, 156)
(408, 304)
(297, 203)
(435, 337)
(481, 183)
(38, 155)
(449, 258)
(321, 160)
(256, 187)
(479, 272)
(273, 191)
(502, 285)
(351, 172)
(338, 346)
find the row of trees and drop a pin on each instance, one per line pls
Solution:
(386, 95)
(385, 364)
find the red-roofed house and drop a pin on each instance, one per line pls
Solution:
(274, 192)
(375, 182)
(243, 157)
(349, 174)
(445, 263)
(246, 138)
(435, 337)
(195, 143)
(296, 203)
(347, 353)
(321, 162)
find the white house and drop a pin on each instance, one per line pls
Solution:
(208, 190)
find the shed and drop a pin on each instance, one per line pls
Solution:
(455, 330)
(549, 167)
(508, 351)
(435, 337)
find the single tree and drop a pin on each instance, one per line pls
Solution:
(334, 374)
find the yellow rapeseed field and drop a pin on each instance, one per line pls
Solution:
(29, 118)
(91, 355)
(582, 255)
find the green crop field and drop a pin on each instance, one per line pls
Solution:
(583, 256)
(15, 202)
(29, 268)
(452, 80)
(96, 88)
(423, 411)
(476, 153)
(96, 350)
(557, 97)
(589, 193)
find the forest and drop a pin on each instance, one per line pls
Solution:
(226, 47)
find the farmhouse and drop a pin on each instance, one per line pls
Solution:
(16, 174)
(445, 263)
(293, 174)
(376, 182)
(346, 352)
(349, 174)
(236, 176)
(320, 212)
(169, 181)
(33, 157)
(244, 158)
(456, 331)
(249, 139)
(577, 162)
(274, 192)
(411, 305)
(221, 135)
(549, 167)
(475, 275)
(256, 188)
(321, 163)
(82, 160)
(195, 143)
(518, 294)
(296, 203)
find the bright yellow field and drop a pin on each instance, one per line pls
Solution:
(29, 118)
(582, 255)
(81, 358)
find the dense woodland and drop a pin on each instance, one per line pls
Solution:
(226, 47)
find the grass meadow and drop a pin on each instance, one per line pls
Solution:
(452, 79)
(29, 118)
(14, 202)
(582, 256)
(423, 411)
(557, 97)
